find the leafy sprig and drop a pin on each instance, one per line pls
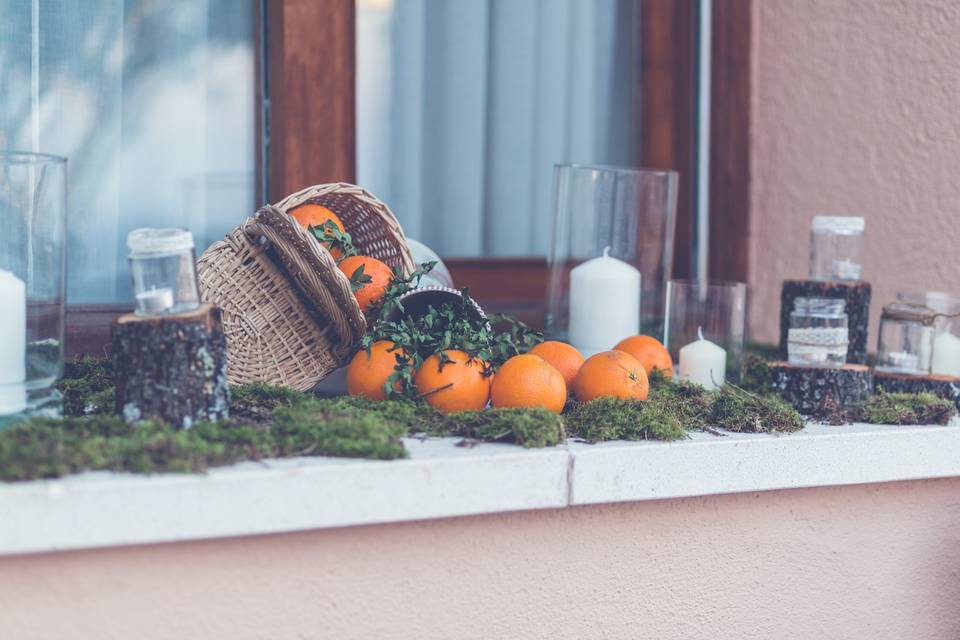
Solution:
(334, 238)
(456, 325)
(359, 278)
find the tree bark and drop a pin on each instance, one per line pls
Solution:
(171, 367)
(822, 392)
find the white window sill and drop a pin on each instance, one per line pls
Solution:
(440, 480)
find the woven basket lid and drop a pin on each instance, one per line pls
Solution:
(288, 312)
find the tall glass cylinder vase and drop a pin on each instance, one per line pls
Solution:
(33, 209)
(611, 253)
(705, 330)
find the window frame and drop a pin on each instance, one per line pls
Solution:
(308, 94)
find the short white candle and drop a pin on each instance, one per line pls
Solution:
(704, 363)
(604, 303)
(13, 343)
(946, 354)
(154, 301)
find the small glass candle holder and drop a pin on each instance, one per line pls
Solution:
(836, 243)
(705, 330)
(610, 225)
(905, 342)
(33, 209)
(163, 270)
(819, 333)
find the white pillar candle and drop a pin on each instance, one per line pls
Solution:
(13, 343)
(946, 354)
(704, 363)
(604, 303)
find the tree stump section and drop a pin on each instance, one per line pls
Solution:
(171, 367)
(857, 296)
(947, 387)
(821, 392)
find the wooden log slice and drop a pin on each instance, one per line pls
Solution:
(942, 386)
(171, 367)
(857, 296)
(821, 392)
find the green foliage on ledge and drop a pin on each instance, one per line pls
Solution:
(908, 408)
(276, 422)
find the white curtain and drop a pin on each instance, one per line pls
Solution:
(153, 105)
(464, 106)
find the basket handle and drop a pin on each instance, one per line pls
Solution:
(314, 272)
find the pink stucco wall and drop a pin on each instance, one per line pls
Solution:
(870, 561)
(855, 109)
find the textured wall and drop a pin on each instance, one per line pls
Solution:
(870, 561)
(855, 109)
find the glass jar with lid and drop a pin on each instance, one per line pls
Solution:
(819, 333)
(836, 243)
(163, 270)
(905, 342)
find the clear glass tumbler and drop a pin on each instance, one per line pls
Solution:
(610, 225)
(705, 330)
(33, 209)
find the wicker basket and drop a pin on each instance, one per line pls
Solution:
(372, 226)
(288, 312)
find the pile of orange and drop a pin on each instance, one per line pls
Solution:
(547, 376)
(369, 277)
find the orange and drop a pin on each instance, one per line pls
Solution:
(611, 373)
(370, 292)
(457, 385)
(368, 373)
(650, 352)
(563, 357)
(315, 215)
(528, 381)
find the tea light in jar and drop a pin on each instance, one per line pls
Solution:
(604, 303)
(704, 363)
(13, 344)
(904, 362)
(153, 301)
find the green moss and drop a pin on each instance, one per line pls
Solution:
(525, 427)
(255, 402)
(44, 448)
(736, 409)
(313, 428)
(87, 387)
(908, 408)
(615, 419)
(757, 377)
(690, 403)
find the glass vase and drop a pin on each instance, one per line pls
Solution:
(611, 254)
(705, 330)
(33, 210)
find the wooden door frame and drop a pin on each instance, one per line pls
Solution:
(306, 103)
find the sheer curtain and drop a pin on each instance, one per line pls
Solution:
(153, 105)
(464, 106)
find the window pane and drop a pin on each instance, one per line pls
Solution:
(153, 105)
(464, 106)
